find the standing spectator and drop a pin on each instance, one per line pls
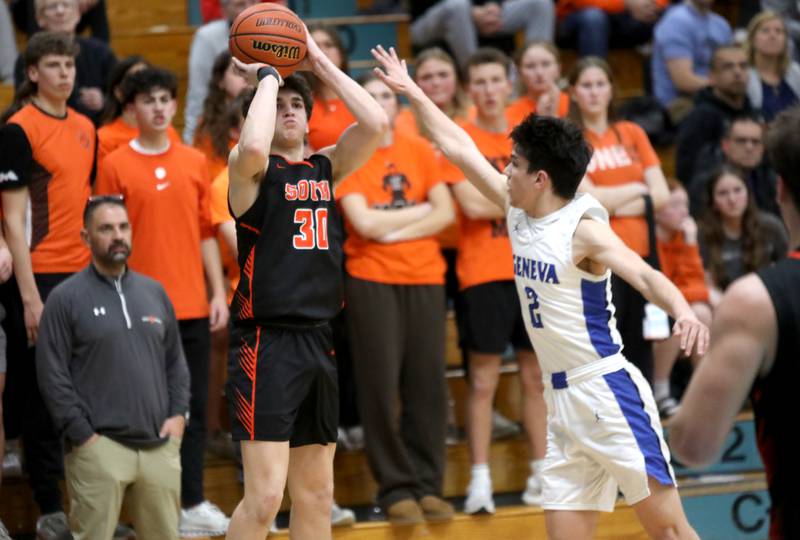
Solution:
(774, 82)
(6, 267)
(679, 257)
(735, 236)
(742, 150)
(539, 69)
(623, 170)
(8, 45)
(714, 108)
(92, 16)
(47, 159)
(459, 23)
(112, 372)
(595, 25)
(209, 40)
(217, 131)
(93, 64)
(683, 43)
(492, 315)
(395, 204)
(166, 188)
(118, 124)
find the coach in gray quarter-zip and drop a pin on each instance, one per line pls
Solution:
(113, 375)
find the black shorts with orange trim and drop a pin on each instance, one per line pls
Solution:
(282, 385)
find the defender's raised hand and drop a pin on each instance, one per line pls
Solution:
(395, 73)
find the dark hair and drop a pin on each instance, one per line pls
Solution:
(299, 84)
(783, 147)
(725, 47)
(147, 80)
(113, 107)
(754, 254)
(488, 55)
(243, 100)
(583, 64)
(96, 201)
(556, 146)
(741, 118)
(39, 46)
(333, 33)
(214, 120)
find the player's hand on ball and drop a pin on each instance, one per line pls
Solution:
(694, 335)
(395, 73)
(313, 53)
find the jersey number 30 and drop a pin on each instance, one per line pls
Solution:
(536, 318)
(313, 228)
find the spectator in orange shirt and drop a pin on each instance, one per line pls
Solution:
(623, 170)
(492, 316)
(218, 130)
(118, 123)
(166, 190)
(539, 68)
(595, 25)
(394, 205)
(679, 256)
(329, 117)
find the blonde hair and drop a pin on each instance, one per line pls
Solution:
(755, 24)
(546, 45)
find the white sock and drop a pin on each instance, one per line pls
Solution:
(660, 389)
(536, 466)
(480, 472)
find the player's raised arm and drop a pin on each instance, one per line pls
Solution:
(249, 158)
(454, 142)
(599, 244)
(359, 141)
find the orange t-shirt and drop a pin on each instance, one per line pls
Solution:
(53, 157)
(523, 106)
(167, 196)
(215, 163)
(329, 119)
(406, 122)
(484, 250)
(396, 176)
(221, 214)
(621, 155)
(682, 264)
(116, 133)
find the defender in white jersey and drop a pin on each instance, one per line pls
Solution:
(603, 426)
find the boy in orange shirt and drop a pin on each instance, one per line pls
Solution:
(679, 255)
(166, 190)
(492, 317)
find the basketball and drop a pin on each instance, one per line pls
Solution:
(271, 34)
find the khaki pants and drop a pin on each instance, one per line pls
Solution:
(101, 475)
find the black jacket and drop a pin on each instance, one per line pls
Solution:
(109, 359)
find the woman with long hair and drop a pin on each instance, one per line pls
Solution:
(774, 80)
(624, 170)
(539, 68)
(215, 135)
(735, 236)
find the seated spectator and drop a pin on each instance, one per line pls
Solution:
(120, 409)
(774, 83)
(92, 12)
(679, 257)
(217, 132)
(209, 40)
(623, 170)
(119, 123)
(539, 69)
(735, 236)
(683, 43)
(459, 23)
(789, 12)
(93, 63)
(592, 26)
(741, 149)
(714, 108)
(8, 45)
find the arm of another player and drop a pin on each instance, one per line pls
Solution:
(744, 344)
(359, 141)
(250, 157)
(598, 243)
(442, 215)
(454, 142)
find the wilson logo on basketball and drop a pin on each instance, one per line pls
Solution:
(274, 21)
(278, 49)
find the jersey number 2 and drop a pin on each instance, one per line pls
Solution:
(536, 318)
(313, 228)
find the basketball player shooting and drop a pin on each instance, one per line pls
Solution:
(603, 427)
(282, 375)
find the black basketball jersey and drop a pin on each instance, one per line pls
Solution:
(774, 400)
(290, 247)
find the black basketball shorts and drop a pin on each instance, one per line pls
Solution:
(282, 385)
(493, 319)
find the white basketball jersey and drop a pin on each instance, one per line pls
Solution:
(568, 312)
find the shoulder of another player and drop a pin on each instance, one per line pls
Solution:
(746, 304)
